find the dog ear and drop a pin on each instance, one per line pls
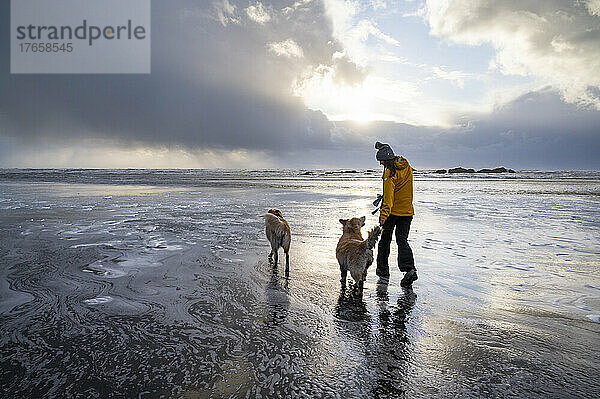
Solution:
(362, 221)
(343, 221)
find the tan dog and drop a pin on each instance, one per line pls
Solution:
(278, 234)
(353, 253)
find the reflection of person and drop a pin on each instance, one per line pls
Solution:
(393, 349)
(396, 212)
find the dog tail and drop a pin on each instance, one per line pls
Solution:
(373, 237)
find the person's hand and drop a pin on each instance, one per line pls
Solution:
(381, 221)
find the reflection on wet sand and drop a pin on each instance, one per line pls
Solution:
(383, 339)
(277, 297)
(351, 307)
(392, 344)
(160, 292)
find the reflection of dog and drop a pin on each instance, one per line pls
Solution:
(278, 234)
(353, 253)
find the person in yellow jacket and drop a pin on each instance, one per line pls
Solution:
(396, 213)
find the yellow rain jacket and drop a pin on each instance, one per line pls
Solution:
(398, 191)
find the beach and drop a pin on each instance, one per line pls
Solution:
(149, 283)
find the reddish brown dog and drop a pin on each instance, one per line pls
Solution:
(353, 253)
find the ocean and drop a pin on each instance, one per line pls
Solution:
(156, 283)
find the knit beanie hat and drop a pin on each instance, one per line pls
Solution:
(385, 152)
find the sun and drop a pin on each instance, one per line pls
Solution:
(338, 100)
(353, 103)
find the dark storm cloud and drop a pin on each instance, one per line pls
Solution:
(211, 85)
(537, 130)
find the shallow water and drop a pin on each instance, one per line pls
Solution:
(145, 289)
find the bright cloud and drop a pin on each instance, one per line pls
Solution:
(360, 83)
(226, 12)
(375, 98)
(457, 77)
(298, 5)
(593, 7)
(556, 42)
(287, 48)
(353, 31)
(377, 4)
(364, 28)
(258, 13)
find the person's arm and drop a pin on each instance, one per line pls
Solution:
(388, 197)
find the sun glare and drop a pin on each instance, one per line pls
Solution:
(338, 100)
(354, 103)
(375, 99)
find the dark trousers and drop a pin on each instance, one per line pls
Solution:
(406, 261)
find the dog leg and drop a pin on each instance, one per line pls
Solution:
(343, 279)
(359, 292)
(275, 257)
(287, 260)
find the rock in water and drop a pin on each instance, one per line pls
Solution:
(461, 170)
(495, 170)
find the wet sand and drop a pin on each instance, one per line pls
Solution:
(166, 291)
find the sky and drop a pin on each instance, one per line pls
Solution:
(313, 84)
